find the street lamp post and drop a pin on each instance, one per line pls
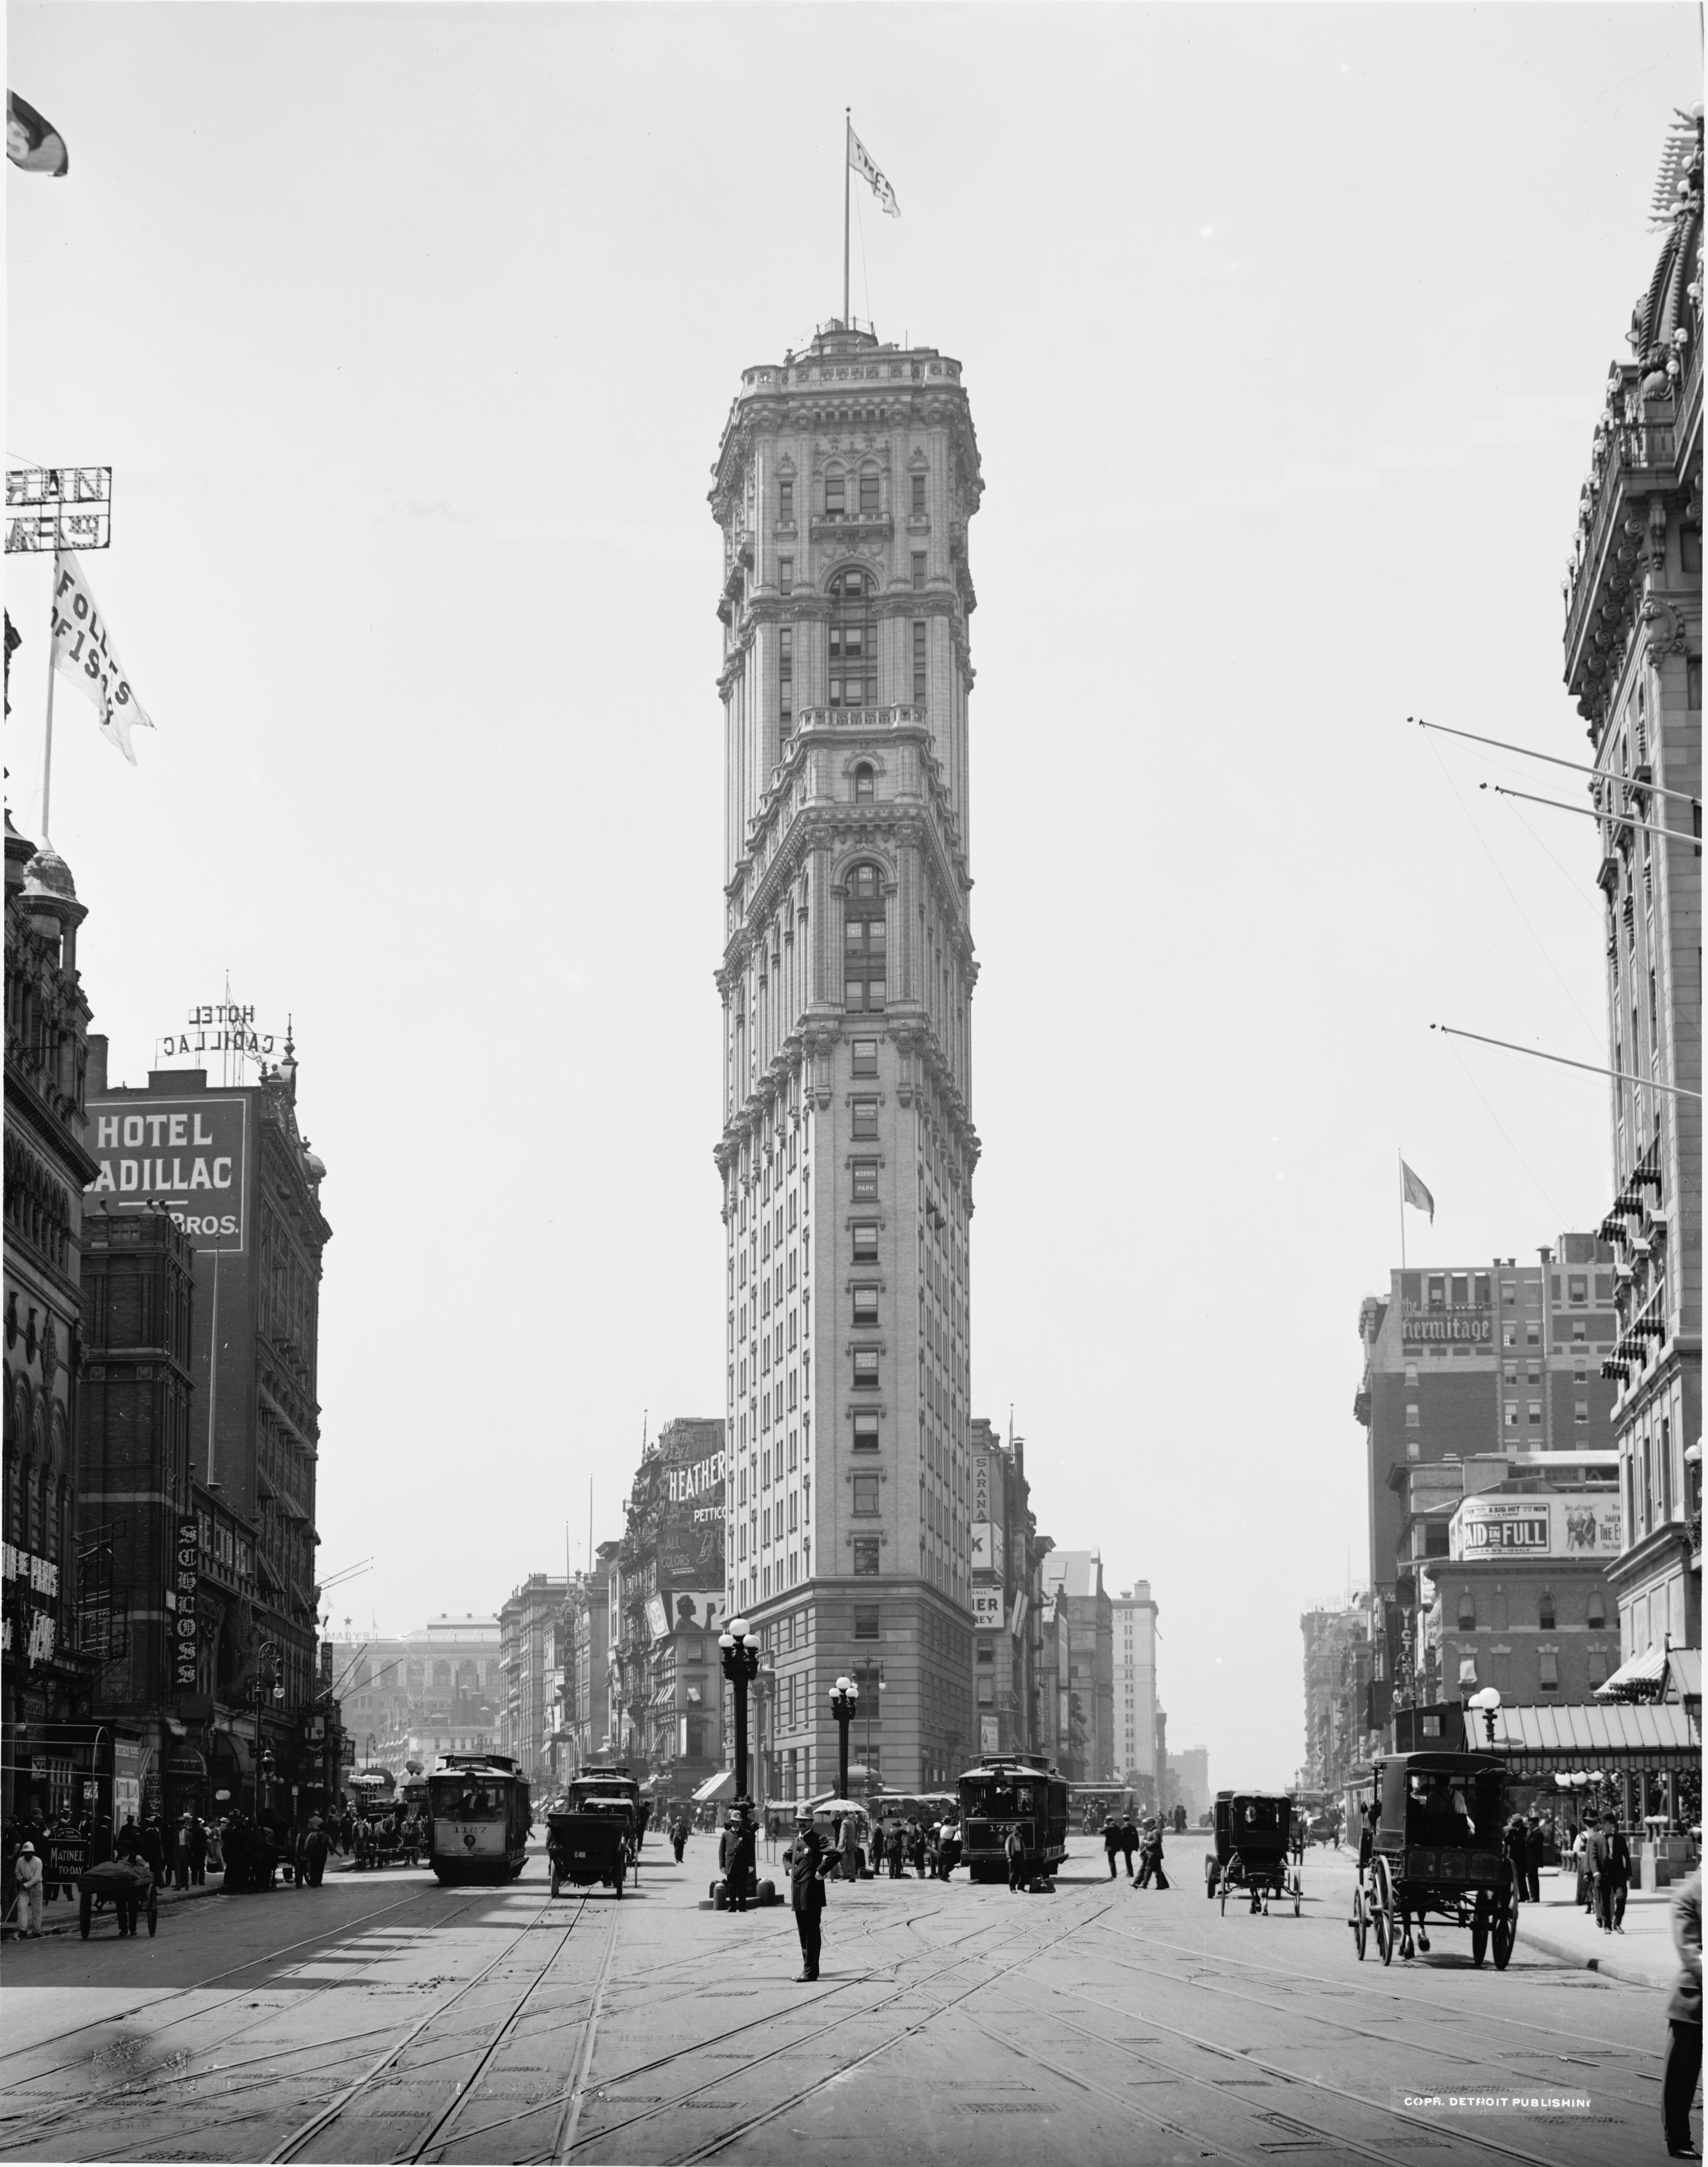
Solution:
(844, 1699)
(1488, 1701)
(740, 1667)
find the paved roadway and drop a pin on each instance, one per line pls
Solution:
(383, 2018)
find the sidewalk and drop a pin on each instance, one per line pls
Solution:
(1643, 1955)
(61, 1918)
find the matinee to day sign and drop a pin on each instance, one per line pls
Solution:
(187, 1154)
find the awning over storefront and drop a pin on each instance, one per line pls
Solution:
(1640, 1678)
(1547, 1741)
(1683, 1674)
(720, 1786)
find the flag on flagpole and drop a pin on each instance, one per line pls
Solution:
(1416, 1194)
(32, 142)
(82, 651)
(860, 159)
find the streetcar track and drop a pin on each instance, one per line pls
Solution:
(197, 1986)
(1345, 2024)
(289, 2148)
(427, 2144)
(1454, 2011)
(722, 2142)
(14, 2132)
(683, 2054)
(1250, 2057)
(715, 2038)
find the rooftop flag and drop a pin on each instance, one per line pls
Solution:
(82, 651)
(1416, 1194)
(32, 142)
(860, 159)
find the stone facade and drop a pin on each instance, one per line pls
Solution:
(425, 1693)
(250, 1203)
(1133, 1639)
(844, 486)
(1633, 661)
(1007, 1596)
(46, 1683)
(527, 1628)
(1073, 1582)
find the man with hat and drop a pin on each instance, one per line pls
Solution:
(27, 1875)
(806, 1888)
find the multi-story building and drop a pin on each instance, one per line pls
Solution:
(414, 1697)
(670, 1606)
(1633, 661)
(1340, 1662)
(1086, 1733)
(527, 1628)
(50, 1740)
(1133, 1646)
(845, 484)
(1189, 1772)
(1007, 1556)
(1503, 1359)
(232, 1170)
(585, 1727)
(1521, 1599)
(139, 1593)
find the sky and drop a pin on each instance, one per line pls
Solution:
(409, 332)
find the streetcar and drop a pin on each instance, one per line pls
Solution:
(1091, 1805)
(1007, 1791)
(1437, 1852)
(608, 1776)
(479, 1818)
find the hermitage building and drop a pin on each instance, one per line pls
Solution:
(844, 484)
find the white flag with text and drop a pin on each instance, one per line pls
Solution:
(82, 651)
(860, 159)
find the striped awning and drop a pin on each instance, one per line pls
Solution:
(1639, 1677)
(1550, 1742)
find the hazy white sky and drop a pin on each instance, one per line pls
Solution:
(409, 330)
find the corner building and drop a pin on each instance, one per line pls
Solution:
(844, 485)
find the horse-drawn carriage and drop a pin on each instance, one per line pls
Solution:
(594, 1842)
(1254, 1841)
(1436, 1849)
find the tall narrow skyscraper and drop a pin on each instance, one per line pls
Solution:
(844, 485)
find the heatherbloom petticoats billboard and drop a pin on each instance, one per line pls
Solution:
(188, 1155)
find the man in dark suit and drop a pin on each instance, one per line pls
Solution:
(1685, 2021)
(806, 1887)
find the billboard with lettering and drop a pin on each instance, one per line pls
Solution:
(189, 1155)
(1492, 1526)
(690, 1529)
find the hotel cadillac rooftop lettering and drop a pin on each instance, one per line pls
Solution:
(218, 1027)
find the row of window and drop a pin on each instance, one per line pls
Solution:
(866, 495)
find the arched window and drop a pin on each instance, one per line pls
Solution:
(853, 641)
(865, 783)
(835, 494)
(868, 493)
(863, 940)
(1468, 1611)
(1545, 1617)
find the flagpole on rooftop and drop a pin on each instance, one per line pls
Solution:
(847, 168)
(47, 741)
(1399, 1153)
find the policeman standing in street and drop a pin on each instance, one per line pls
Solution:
(806, 1883)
